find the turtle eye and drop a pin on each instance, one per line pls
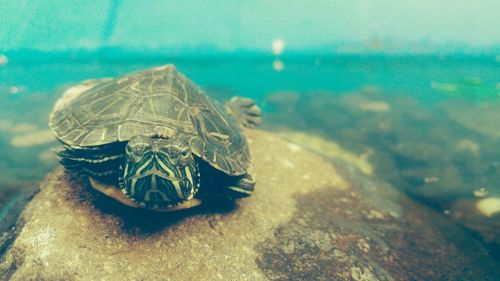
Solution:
(184, 156)
(185, 153)
(137, 149)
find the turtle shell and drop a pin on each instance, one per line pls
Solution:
(156, 102)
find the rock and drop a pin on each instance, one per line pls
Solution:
(482, 118)
(39, 137)
(488, 206)
(437, 153)
(329, 148)
(467, 145)
(416, 153)
(9, 213)
(481, 216)
(23, 128)
(48, 157)
(309, 219)
(3, 59)
(360, 102)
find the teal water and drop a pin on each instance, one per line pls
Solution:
(429, 125)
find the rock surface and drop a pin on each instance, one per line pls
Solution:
(309, 219)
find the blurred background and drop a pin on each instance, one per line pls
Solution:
(409, 90)
(178, 27)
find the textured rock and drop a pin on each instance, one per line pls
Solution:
(308, 219)
(9, 212)
(482, 119)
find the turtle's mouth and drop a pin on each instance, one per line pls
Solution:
(157, 206)
(115, 193)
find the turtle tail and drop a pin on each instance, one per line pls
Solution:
(245, 111)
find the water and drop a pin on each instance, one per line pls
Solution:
(428, 125)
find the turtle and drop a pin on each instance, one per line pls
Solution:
(153, 139)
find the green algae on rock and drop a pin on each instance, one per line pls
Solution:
(309, 219)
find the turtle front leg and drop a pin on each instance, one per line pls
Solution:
(232, 187)
(242, 187)
(245, 111)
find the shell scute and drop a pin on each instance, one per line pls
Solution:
(155, 102)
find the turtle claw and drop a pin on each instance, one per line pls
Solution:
(243, 188)
(245, 111)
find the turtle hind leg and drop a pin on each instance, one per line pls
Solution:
(245, 111)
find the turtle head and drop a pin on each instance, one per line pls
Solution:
(159, 173)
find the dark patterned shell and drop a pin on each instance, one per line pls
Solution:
(156, 102)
